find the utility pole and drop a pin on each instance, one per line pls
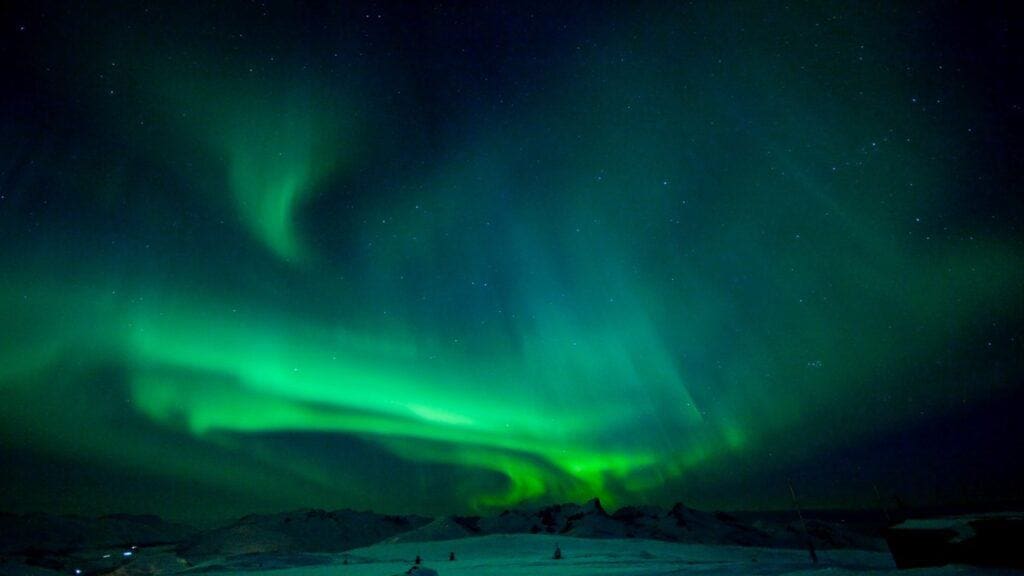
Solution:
(803, 524)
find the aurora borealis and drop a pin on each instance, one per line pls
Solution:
(448, 259)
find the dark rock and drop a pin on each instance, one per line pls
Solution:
(982, 540)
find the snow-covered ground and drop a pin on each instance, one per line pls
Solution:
(531, 554)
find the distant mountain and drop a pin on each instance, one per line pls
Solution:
(41, 545)
(589, 520)
(444, 528)
(298, 531)
(677, 524)
(44, 533)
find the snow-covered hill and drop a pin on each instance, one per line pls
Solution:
(531, 555)
(502, 555)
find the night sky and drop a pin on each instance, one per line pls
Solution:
(448, 258)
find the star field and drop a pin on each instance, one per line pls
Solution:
(444, 258)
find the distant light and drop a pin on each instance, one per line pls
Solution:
(78, 570)
(126, 554)
(106, 555)
(135, 547)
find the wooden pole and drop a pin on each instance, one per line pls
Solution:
(803, 525)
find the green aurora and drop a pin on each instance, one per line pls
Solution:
(688, 251)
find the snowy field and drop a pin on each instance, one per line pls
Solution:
(525, 555)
